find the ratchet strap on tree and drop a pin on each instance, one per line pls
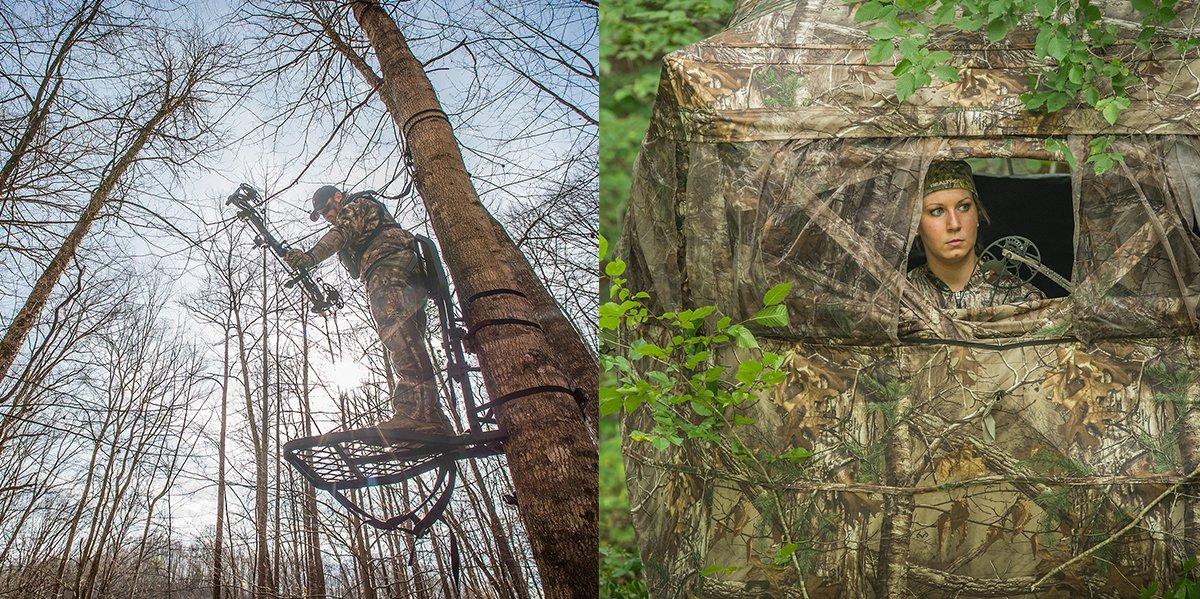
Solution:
(485, 412)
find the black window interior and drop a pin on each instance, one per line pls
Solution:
(1037, 206)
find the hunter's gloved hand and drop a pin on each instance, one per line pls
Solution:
(297, 259)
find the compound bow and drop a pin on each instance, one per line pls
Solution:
(322, 295)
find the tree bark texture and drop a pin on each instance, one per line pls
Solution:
(550, 451)
(891, 573)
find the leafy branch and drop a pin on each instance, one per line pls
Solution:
(1072, 42)
(691, 397)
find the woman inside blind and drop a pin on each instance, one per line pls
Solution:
(952, 276)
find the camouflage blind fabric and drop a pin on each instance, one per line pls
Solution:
(956, 453)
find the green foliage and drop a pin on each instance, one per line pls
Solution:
(1072, 41)
(691, 397)
(1048, 462)
(621, 574)
(1186, 586)
(634, 36)
(1171, 385)
(778, 87)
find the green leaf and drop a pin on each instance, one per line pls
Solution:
(868, 11)
(905, 85)
(1075, 74)
(784, 555)
(702, 312)
(615, 268)
(1091, 95)
(880, 51)
(908, 48)
(969, 23)
(1143, 6)
(748, 371)
(718, 569)
(1058, 147)
(1045, 8)
(603, 247)
(743, 336)
(609, 323)
(610, 401)
(881, 33)
(1111, 108)
(701, 409)
(939, 57)
(946, 73)
(796, 455)
(1058, 46)
(696, 358)
(772, 316)
(1041, 42)
(776, 294)
(723, 323)
(641, 347)
(945, 13)
(1033, 100)
(1056, 101)
(997, 29)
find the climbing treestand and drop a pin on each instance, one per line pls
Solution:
(349, 463)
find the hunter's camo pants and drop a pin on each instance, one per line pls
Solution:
(397, 299)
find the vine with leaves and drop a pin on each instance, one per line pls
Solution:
(1072, 42)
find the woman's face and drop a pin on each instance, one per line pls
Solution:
(949, 222)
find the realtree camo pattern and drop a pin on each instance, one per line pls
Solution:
(355, 222)
(984, 288)
(788, 70)
(1084, 438)
(956, 452)
(397, 294)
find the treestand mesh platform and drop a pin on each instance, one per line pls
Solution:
(343, 462)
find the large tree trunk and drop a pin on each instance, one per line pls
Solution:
(575, 359)
(550, 451)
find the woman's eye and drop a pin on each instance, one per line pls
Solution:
(936, 212)
(964, 207)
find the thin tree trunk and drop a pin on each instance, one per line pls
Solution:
(216, 573)
(316, 570)
(503, 547)
(550, 450)
(264, 581)
(892, 570)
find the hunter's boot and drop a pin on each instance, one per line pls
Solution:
(416, 410)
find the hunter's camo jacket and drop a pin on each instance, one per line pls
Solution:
(955, 453)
